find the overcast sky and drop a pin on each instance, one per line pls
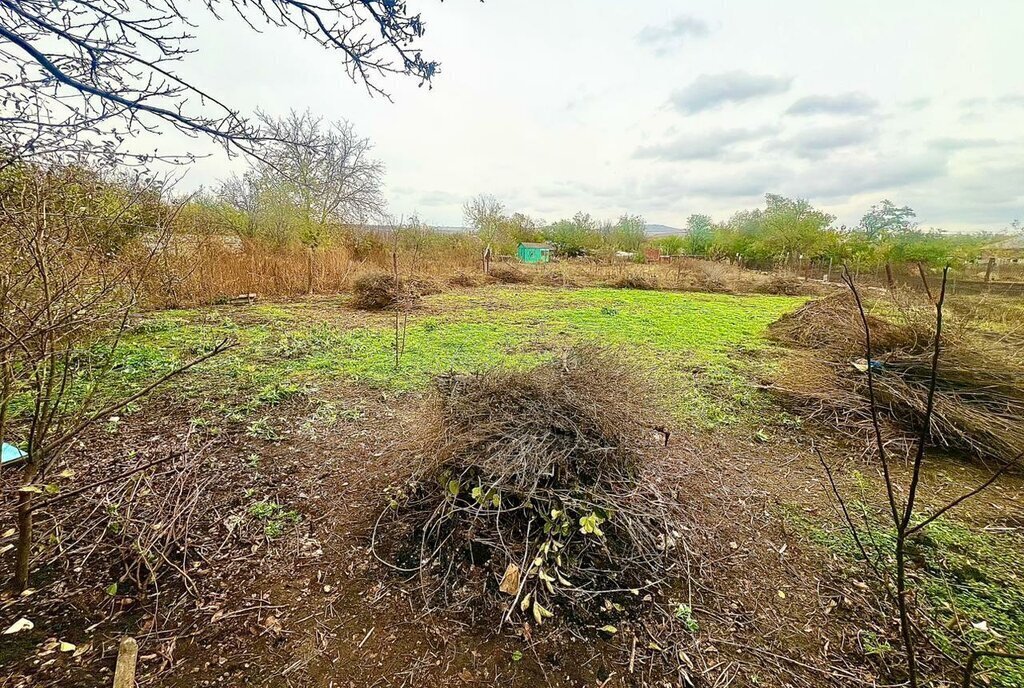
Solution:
(670, 108)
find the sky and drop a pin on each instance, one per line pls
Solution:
(665, 108)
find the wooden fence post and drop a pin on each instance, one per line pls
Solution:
(988, 270)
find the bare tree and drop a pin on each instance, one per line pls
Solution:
(311, 178)
(65, 301)
(485, 214)
(80, 77)
(902, 500)
(328, 167)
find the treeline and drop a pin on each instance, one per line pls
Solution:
(785, 230)
(319, 189)
(580, 235)
(792, 230)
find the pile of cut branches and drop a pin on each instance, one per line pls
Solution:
(534, 494)
(979, 397)
(376, 291)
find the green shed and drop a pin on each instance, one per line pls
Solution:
(534, 253)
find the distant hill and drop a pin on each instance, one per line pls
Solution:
(664, 230)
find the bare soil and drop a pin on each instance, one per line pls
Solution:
(312, 607)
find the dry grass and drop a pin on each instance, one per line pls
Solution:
(465, 279)
(205, 270)
(787, 285)
(538, 476)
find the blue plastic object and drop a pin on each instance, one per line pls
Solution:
(11, 455)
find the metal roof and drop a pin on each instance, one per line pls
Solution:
(528, 244)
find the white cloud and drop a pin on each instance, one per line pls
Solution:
(842, 104)
(666, 37)
(553, 121)
(713, 90)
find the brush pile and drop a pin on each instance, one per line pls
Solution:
(377, 291)
(506, 274)
(785, 285)
(979, 398)
(636, 280)
(535, 495)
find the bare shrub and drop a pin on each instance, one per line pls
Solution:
(556, 278)
(786, 285)
(715, 277)
(541, 478)
(417, 286)
(463, 279)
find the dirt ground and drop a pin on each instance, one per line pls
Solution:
(268, 597)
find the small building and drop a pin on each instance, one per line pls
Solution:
(535, 253)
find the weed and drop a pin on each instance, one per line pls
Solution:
(261, 429)
(277, 392)
(275, 518)
(876, 645)
(684, 613)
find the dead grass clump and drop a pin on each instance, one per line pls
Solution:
(635, 280)
(556, 278)
(417, 286)
(534, 494)
(507, 274)
(979, 398)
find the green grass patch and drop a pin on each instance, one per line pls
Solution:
(705, 348)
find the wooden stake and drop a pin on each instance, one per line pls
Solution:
(127, 654)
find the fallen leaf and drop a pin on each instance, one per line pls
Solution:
(273, 625)
(510, 581)
(609, 629)
(67, 647)
(20, 625)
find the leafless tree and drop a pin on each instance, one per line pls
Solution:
(80, 77)
(484, 213)
(327, 168)
(902, 501)
(311, 179)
